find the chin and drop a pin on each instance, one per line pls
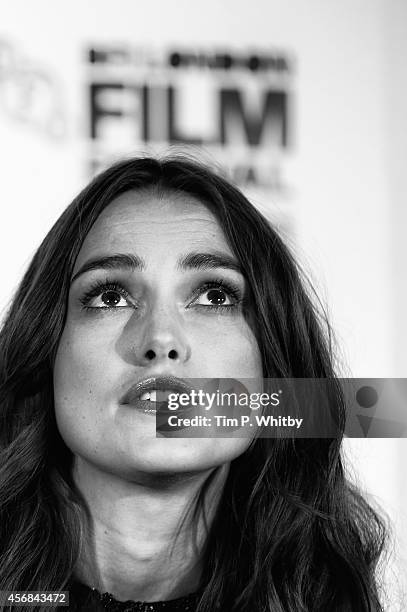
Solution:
(187, 455)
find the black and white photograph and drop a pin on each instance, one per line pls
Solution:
(203, 217)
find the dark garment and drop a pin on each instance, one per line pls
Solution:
(82, 597)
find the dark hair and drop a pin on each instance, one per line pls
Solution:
(291, 534)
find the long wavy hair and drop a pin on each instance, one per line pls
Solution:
(290, 533)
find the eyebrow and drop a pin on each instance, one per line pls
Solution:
(207, 261)
(121, 261)
(191, 261)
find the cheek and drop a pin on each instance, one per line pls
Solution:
(73, 370)
(232, 351)
(83, 362)
(81, 381)
(81, 384)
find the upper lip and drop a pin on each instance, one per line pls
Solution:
(169, 383)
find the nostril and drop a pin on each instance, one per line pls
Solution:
(173, 354)
(150, 354)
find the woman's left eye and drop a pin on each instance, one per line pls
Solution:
(216, 297)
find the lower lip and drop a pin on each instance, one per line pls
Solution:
(149, 407)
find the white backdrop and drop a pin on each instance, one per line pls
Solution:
(346, 168)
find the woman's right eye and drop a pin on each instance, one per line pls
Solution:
(107, 296)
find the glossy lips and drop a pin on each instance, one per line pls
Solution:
(163, 384)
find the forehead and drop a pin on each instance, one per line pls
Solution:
(153, 225)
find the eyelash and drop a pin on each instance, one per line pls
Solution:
(99, 287)
(231, 290)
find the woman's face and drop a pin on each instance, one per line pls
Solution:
(145, 303)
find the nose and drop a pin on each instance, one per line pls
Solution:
(161, 340)
(163, 350)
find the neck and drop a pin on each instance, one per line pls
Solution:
(141, 541)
